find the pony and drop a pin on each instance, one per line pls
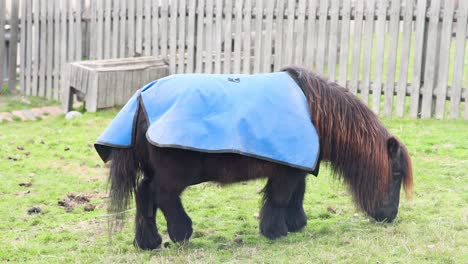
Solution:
(362, 153)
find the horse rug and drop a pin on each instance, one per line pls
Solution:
(263, 116)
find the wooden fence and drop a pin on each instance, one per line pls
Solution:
(403, 57)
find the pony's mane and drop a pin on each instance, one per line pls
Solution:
(351, 138)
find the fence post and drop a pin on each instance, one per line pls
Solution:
(13, 46)
(2, 42)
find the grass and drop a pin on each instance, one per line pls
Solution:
(10, 102)
(57, 157)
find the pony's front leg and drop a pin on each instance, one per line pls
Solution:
(179, 224)
(277, 194)
(146, 232)
(295, 215)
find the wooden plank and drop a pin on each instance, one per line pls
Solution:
(123, 29)
(227, 36)
(200, 35)
(50, 48)
(247, 36)
(367, 58)
(29, 42)
(57, 39)
(23, 54)
(322, 36)
(43, 47)
(2, 42)
(100, 30)
(147, 32)
(78, 30)
(209, 37)
(289, 36)
(139, 28)
(35, 51)
(344, 40)
(238, 36)
(13, 46)
(131, 28)
(107, 29)
(418, 57)
(71, 32)
(115, 29)
(173, 38)
(218, 35)
(267, 44)
(393, 36)
(357, 40)
(155, 28)
(312, 33)
(258, 35)
(430, 68)
(333, 46)
(191, 37)
(404, 58)
(459, 64)
(181, 46)
(164, 34)
(379, 60)
(300, 28)
(444, 59)
(279, 38)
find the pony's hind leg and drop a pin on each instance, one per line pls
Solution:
(179, 224)
(146, 232)
(277, 195)
(295, 215)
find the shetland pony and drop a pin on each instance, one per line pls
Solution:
(372, 162)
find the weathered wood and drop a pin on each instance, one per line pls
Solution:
(393, 36)
(459, 64)
(147, 28)
(107, 29)
(181, 44)
(123, 29)
(155, 28)
(279, 36)
(379, 60)
(312, 33)
(131, 28)
(237, 36)
(23, 42)
(2, 42)
(418, 58)
(267, 44)
(258, 35)
(163, 25)
(333, 46)
(227, 35)
(430, 70)
(50, 48)
(199, 35)
(322, 36)
(218, 35)
(367, 58)
(357, 40)
(247, 36)
(345, 26)
(289, 42)
(28, 42)
(97, 82)
(405, 56)
(115, 29)
(173, 38)
(71, 31)
(444, 59)
(42, 23)
(57, 50)
(78, 30)
(99, 29)
(191, 36)
(139, 27)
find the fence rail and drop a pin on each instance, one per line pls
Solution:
(403, 57)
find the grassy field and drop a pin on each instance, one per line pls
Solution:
(58, 169)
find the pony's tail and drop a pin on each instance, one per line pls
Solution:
(122, 182)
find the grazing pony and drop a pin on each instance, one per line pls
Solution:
(361, 151)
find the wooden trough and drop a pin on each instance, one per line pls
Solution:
(108, 83)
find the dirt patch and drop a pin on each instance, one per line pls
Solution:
(73, 200)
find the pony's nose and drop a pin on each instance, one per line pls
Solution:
(385, 215)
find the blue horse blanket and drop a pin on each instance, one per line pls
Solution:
(263, 116)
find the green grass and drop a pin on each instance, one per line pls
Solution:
(9, 102)
(431, 228)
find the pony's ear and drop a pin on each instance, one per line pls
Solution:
(392, 146)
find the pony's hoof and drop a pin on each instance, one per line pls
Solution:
(148, 243)
(296, 220)
(273, 229)
(180, 233)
